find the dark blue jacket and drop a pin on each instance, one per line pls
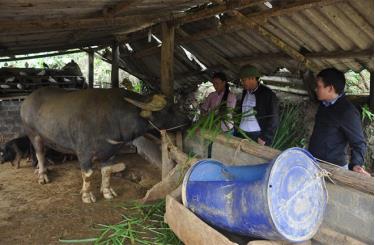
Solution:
(336, 127)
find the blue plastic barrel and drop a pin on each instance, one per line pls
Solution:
(281, 200)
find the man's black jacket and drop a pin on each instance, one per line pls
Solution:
(267, 112)
(336, 126)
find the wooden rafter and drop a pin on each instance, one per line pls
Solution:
(222, 8)
(248, 22)
(134, 23)
(319, 55)
(118, 8)
(290, 8)
(61, 45)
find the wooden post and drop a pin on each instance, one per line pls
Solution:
(115, 64)
(91, 68)
(179, 140)
(166, 64)
(167, 163)
(308, 79)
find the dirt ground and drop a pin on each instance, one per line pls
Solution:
(31, 213)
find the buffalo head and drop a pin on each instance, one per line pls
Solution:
(163, 113)
(4, 156)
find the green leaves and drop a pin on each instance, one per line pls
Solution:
(210, 123)
(367, 114)
(290, 132)
(142, 224)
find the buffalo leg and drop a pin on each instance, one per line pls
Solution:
(17, 160)
(39, 150)
(105, 188)
(87, 195)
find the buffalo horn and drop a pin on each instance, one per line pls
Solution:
(157, 103)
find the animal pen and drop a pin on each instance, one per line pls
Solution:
(173, 46)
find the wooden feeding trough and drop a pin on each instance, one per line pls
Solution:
(348, 218)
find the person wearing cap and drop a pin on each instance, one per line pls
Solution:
(221, 98)
(337, 124)
(261, 125)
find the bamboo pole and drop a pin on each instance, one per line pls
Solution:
(174, 178)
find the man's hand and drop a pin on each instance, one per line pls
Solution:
(359, 169)
(261, 142)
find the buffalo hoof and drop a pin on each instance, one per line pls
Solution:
(43, 179)
(88, 197)
(108, 193)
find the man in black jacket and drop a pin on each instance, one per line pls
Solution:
(337, 124)
(256, 97)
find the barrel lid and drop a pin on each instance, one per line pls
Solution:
(296, 194)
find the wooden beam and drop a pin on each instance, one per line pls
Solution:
(90, 54)
(287, 89)
(285, 9)
(242, 19)
(42, 55)
(166, 63)
(231, 24)
(319, 55)
(341, 54)
(130, 24)
(115, 65)
(105, 41)
(209, 12)
(118, 8)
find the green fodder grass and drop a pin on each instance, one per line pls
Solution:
(291, 130)
(142, 224)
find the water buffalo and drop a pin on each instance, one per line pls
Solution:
(16, 149)
(93, 124)
(21, 147)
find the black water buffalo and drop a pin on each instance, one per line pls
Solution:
(21, 147)
(93, 124)
(16, 149)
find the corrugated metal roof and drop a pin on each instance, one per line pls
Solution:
(328, 33)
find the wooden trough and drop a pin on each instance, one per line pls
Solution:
(349, 217)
